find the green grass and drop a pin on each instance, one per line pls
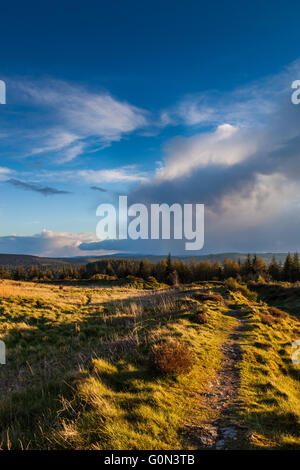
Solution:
(270, 386)
(78, 375)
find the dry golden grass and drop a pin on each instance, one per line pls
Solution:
(68, 295)
(77, 373)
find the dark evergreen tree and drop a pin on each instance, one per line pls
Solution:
(109, 270)
(287, 273)
(247, 266)
(296, 268)
(169, 267)
(274, 269)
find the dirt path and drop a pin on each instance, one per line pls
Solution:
(222, 398)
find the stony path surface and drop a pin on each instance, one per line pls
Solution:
(222, 396)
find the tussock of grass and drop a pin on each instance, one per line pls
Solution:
(205, 297)
(201, 317)
(171, 358)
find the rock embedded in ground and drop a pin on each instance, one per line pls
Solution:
(220, 444)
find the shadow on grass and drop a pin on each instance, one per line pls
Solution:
(45, 354)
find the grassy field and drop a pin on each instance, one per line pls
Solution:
(79, 373)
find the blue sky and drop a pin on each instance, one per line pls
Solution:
(157, 100)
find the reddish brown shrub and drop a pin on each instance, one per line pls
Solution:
(274, 315)
(268, 319)
(204, 297)
(171, 358)
(277, 313)
(201, 317)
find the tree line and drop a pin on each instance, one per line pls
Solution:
(167, 270)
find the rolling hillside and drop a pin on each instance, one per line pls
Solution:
(206, 366)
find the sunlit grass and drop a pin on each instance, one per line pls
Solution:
(270, 386)
(78, 374)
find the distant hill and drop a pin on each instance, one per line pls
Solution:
(236, 256)
(210, 257)
(28, 260)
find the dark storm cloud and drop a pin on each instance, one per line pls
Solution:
(98, 188)
(251, 202)
(46, 190)
(278, 150)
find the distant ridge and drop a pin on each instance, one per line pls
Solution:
(209, 257)
(28, 260)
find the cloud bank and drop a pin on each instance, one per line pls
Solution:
(245, 170)
(240, 157)
(49, 244)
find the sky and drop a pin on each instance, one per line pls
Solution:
(163, 101)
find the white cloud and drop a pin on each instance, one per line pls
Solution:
(71, 152)
(269, 196)
(66, 144)
(244, 106)
(4, 173)
(192, 112)
(73, 116)
(57, 140)
(117, 175)
(49, 244)
(226, 146)
(246, 171)
(102, 115)
(124, 174)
